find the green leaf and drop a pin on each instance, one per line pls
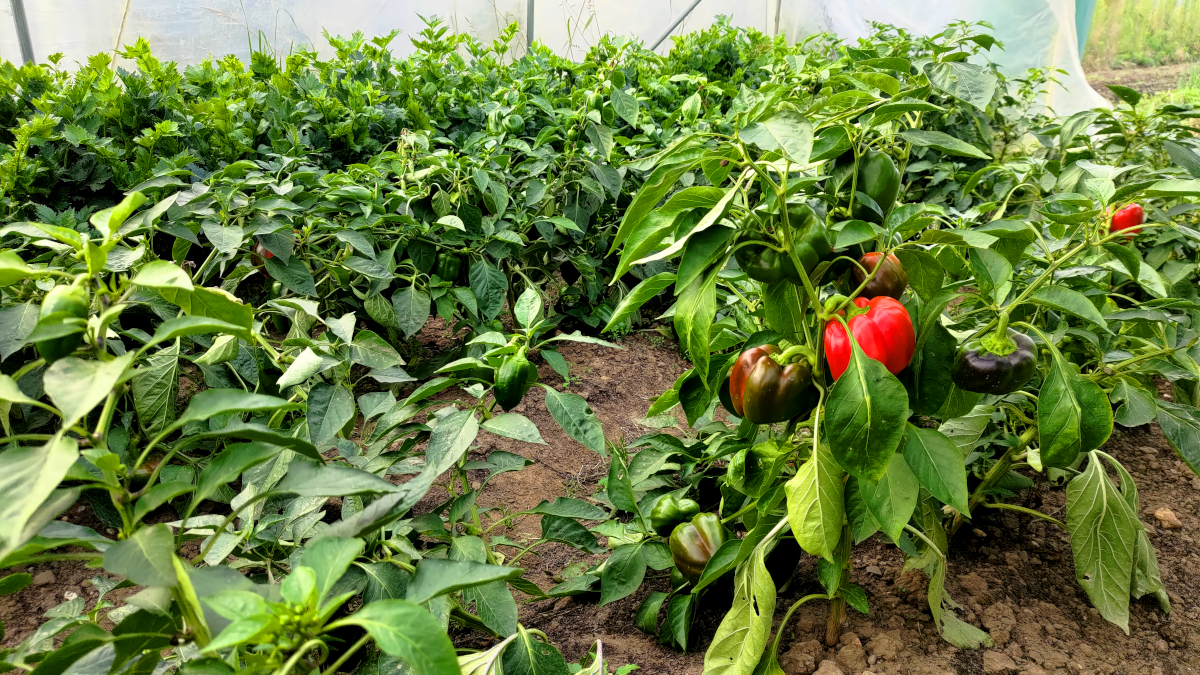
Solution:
(162, 274)
(646, 618)
(1180, 424)
(657, 185)
(938, 465)
(214, 402)
(1139, 406)
(13, 269)
(681, 613)
(412, 309)
(815, 504)
(16, 323)
(1073, 302)
(228, 465)
(639, 295)
(623, 573)
(782, 304)
(620, 487)
(528, 308)
(576, 418)
(787, 132)
(1073, 414)
(695, 310)
(385, 581)
(948, 144)
(145, 557)
(1130, 96)
(436, 577)
(213, 303)
(925, 273)
(329, 558)
(625, 105)
(194, 325)
(29, 475)
(77, 386)
(571, 508)
(372, 351)
(155, 387)
(893, 499)
(742, 635)
(1184, 156)
(450, 440)
(1174, 188)
(570, 532)
(700, 252)
(1103, 541)
(514, 426)
(865, 416)
(306, 364)
(158, 495)
(490, 288)
(970, 83)
(495, 605)
(330, 407)
(993, 273)
(531, 656)
(406, 630)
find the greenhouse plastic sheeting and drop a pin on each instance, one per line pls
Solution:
(1035, 32)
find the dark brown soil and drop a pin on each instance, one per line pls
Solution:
(1017, 580)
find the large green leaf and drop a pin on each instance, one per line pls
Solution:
(940, 140)
(1073, 414)
(938, 465)
(529, 655)
(893, 498)
(407, 630)
(228, 465)
(865, 416)
(623, 573)
(155, 388)
(28, 476)
(213, 402)
(695, 310)
(786, 132)
(746, 628)
(970, 83)
(144, 558)
(77, 386)
(1103, 541)
(1181, 425)
(576, 418)
(638, 296)
(330, 407)
(329, 558)
(815, 504)
(436, 577)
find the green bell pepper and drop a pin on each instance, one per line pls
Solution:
(670, 511)
(515, 377)
(693, 544)
(60, 306)
(879, 179)
(810, 243)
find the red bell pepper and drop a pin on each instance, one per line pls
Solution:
(883, 329)
(1128, 218)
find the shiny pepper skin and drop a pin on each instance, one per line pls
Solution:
(515, 377)
(978, 369)
(890, 280)
(1128, 218)
(884, 332)
(670, 511)
(693, 544)
(61, 303)
(879, 179)
(766, 392)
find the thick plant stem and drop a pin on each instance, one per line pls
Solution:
(837, 606)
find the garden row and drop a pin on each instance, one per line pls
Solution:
(906, 286)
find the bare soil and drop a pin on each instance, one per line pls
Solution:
(1013, 575)
(1143, 80)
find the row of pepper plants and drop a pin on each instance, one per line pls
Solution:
(936, 311)
(833, 221)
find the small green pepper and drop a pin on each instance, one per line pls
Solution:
(61, 304)
(670, 511)
(694, 543)
(515, 377)
(448, 267)
(879, 179)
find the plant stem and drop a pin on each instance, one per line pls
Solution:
(331, 670)
(1022, 509)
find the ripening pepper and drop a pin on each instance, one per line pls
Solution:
(999, 363)
(448, 267)
(879, 179)
(883, 329)
(515, 377)
(890, 280)
(514, 124)
(1128, 218)
(693, 544)
(768, 385)
(670, 511)
(60, 304)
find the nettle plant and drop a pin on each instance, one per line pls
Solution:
(272, 582)
(885, 366)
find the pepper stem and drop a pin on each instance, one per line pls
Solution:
(788, 355)
(998, 342)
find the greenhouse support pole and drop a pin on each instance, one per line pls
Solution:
(18, 9)
(674, 25)
(528, 25)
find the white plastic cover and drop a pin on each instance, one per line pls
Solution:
(1035, 32)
